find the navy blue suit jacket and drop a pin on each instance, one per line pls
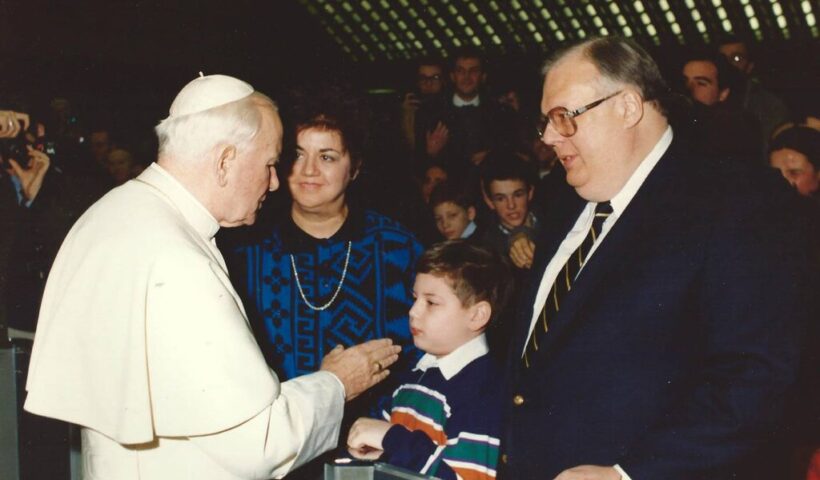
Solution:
(672, 352)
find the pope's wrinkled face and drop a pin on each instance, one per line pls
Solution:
(255, 174)
(594, 155)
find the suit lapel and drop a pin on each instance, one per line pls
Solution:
(625, 238)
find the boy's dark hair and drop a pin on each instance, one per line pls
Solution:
(505, 165)
(450, 192)
(476, 274)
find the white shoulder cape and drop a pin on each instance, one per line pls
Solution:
(140, 332)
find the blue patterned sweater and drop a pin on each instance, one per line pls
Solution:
(373, 302)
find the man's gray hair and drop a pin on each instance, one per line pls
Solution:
(620, 61)
(235, 123)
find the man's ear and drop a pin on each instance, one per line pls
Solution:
(471, 213)
(724, 94)
(482, 311)
(632, 108)
(226, 160)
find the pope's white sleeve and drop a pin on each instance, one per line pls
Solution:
(302, 422)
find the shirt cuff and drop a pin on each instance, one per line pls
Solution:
(620, 470)
(339, 381)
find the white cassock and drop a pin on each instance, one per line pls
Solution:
(144, 343)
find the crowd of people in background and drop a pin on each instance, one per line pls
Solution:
(365, 198)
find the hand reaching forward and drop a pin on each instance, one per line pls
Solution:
(365, 438)
(361, 366)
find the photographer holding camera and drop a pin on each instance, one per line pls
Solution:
(38, 204)
(21, 179)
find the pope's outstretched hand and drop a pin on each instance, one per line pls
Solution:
(361, 366)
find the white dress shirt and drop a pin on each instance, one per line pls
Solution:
(460, 102)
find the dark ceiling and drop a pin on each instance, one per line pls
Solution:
(135, 54)
(153, 45)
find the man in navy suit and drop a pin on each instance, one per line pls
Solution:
(657, 337)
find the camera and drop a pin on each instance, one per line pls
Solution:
(15, 148)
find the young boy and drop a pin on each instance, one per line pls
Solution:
(507, 188)
(445, 418)
(453, 211)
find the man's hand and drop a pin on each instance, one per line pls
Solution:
(522, 251)
(10, 123)
(361, 366)
(437, 139)
(365, 438)
(589, 472)
(31, 178)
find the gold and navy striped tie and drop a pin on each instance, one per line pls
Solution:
(563, 283)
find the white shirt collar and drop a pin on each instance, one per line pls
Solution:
(453, 362)
(622, 198)
(469, 229)
(459, 102)
(191, 209)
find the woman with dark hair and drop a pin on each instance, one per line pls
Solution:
(796, 153)
(330, 272)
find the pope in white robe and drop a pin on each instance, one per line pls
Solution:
(142, 340)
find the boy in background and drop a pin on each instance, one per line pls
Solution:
(453, 212)
(507, 188)
(445, 418)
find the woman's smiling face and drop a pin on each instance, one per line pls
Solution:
(322, 170)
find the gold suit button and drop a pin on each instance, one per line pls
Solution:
(504, 458)
(518, 400)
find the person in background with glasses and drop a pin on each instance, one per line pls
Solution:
(427, 95)
(769, 109)
(644, 344)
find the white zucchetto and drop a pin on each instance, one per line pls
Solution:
(206, 92)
